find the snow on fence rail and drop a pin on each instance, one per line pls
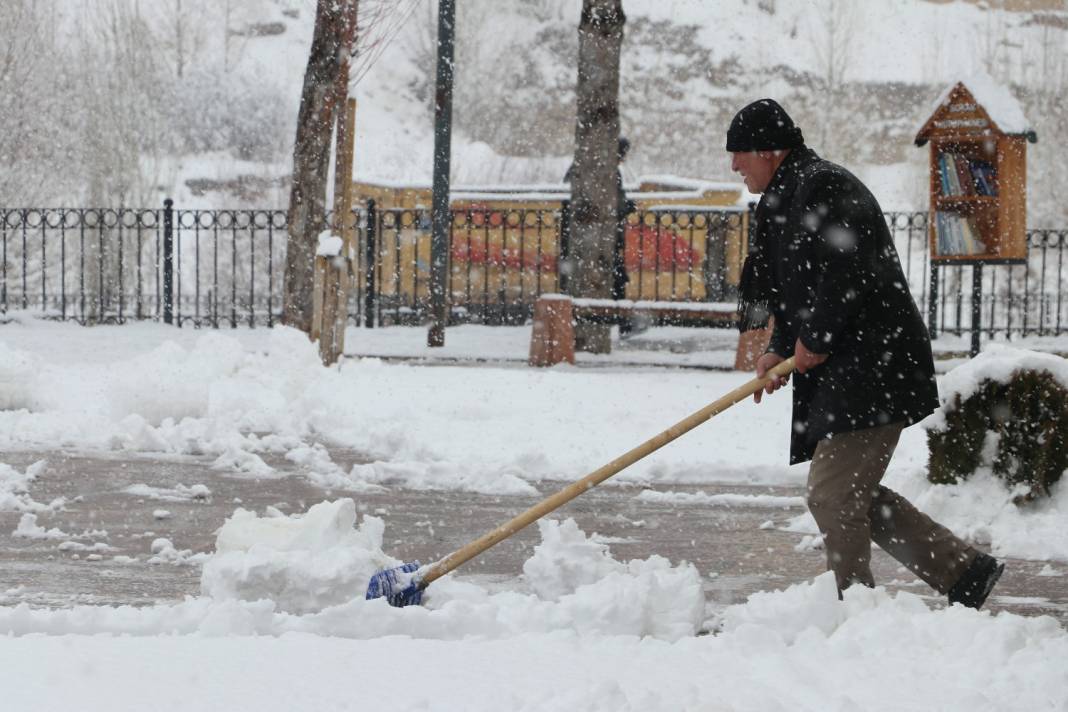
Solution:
(225, 267)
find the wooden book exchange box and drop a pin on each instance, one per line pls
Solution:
(978, 177)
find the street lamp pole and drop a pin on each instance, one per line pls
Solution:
(441, 217)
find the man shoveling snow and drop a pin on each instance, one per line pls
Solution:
(824, 266)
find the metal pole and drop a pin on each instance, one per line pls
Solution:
(932, 303)
(168, 261)
(370, 265)
(563, 263)
(441, 219)
(715, 271)
(977, 293)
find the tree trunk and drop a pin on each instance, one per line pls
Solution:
(333, 275)
(594, 193)
(324, 89)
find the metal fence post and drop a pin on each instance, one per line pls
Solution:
(168, 261)
(977, 296)
(715, 259)
(369, 266)
(932, 303)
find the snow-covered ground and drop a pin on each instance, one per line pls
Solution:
(281, 621)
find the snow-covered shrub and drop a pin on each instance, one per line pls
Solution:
(1015, 423)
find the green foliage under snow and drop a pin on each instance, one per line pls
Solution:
(1019, 428)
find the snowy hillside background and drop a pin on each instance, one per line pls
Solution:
(110, 102)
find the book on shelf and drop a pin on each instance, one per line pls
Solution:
(961, 176)
(957, 235)
(984, 177)
(965, 181)
(948, 170)
(972, 246)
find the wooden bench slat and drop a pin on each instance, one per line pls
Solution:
(601, 311)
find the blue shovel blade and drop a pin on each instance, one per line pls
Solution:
(397, 586)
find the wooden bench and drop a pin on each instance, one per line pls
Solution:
(612, 311)
(555, 315)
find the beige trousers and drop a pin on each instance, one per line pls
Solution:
(852, 510)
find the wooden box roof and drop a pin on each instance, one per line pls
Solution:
(975, 108)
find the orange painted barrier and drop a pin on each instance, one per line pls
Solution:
(552, 339)
(751, 346)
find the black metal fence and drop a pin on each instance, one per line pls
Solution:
(86, 264)
(225, 267)
(501, 259)
(1014, 299)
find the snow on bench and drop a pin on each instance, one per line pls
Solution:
(659, 312)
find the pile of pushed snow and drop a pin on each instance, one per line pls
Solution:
(632, 624)
(164, 552)
(728, 499)
(566, 560)
(206, 399)
(303, 563)
(798, 649)
(439, 475)
(28, 528)
(310, 562)
(178, 493)
(804, 607)
(982, 510)
(247, 399)
(171, 382)
(15, 490)
(649, 596)
(308, 573)
(855, 653)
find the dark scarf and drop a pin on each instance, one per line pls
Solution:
(756, 287)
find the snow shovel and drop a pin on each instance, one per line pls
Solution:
(404, 585)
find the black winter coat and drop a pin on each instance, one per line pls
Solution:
(836, 283)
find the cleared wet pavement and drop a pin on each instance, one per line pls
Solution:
(734, 547)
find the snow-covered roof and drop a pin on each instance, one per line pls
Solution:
(995, 98)
(688, 183)
(639, 304)
(679, 182)
(674, 188)
(740, 207)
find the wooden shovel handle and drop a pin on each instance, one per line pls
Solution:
(450, 562)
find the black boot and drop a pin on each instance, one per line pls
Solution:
(976, 583)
